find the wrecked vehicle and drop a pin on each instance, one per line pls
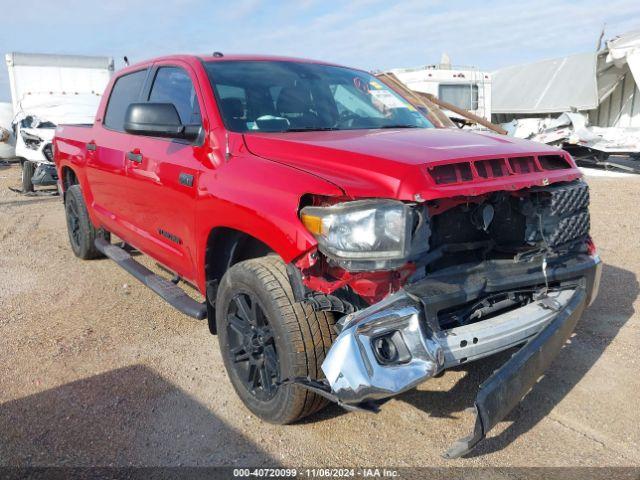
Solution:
(346, 250)
(34, 135)
(48, 90)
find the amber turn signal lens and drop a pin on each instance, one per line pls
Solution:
(313, 223)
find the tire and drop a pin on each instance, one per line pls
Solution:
(28, 169)
(82, 233)
(288, 339)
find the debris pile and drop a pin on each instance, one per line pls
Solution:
(587, 103)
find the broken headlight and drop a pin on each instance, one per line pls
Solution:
(362, 234)
(30, 140)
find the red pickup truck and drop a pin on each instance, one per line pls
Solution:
(346, 249)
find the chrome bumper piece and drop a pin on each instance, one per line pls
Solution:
(356, 374)
(351, 366)
(478, 340)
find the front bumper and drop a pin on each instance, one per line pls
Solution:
(45, 175)
(357, 374)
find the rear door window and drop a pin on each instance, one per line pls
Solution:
(173, 85)
(125, 91)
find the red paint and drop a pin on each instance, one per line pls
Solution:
(259, 188)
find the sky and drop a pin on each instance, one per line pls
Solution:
(368, 34)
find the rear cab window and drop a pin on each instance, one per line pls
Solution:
(126, 90)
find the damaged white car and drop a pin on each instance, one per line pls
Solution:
(46, 91)
(34, 127)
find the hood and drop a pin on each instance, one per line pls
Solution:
(59, 108)
(393, 163)
(45, 134)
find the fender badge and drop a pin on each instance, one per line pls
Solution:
(545, 181)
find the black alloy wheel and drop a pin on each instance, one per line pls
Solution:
(82, 233)
(73, 224)
(266, 337)
(252, 346)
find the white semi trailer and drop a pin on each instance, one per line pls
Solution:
(47, 90)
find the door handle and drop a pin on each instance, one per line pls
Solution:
(91, 147)
(186, 179)
(134, 157)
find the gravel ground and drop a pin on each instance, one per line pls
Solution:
(96, 370)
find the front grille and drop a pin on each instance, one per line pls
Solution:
(563, 213)
(568, 198)
(466, 171)
(569, 228)
(47, 150)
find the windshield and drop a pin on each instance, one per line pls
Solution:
(289, 96)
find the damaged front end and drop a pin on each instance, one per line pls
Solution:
(400, 342)
(499, 271)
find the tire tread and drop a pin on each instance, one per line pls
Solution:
(88, 250)
(310, 333)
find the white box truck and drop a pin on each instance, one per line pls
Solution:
(47, 90)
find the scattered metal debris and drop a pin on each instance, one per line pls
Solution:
(590, 146)
(588, 104)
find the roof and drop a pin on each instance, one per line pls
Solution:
(225, 58)
(548, 86)
(266, 58)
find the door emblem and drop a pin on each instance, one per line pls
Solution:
(170, 236)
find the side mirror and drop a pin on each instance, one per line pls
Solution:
(157, 120)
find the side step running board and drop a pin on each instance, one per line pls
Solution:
(170, 292)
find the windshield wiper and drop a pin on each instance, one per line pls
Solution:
(310, 129)
(399, 126)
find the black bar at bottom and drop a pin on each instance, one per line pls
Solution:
(503, 390)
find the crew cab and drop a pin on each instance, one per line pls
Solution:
(346, 249)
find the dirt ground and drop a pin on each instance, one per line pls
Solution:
(96, 370)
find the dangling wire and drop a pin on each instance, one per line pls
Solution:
(545, 250)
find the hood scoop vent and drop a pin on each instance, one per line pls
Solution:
(467, 171)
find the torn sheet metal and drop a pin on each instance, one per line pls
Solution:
(621, 48)
(381, 351)
(572, 128)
